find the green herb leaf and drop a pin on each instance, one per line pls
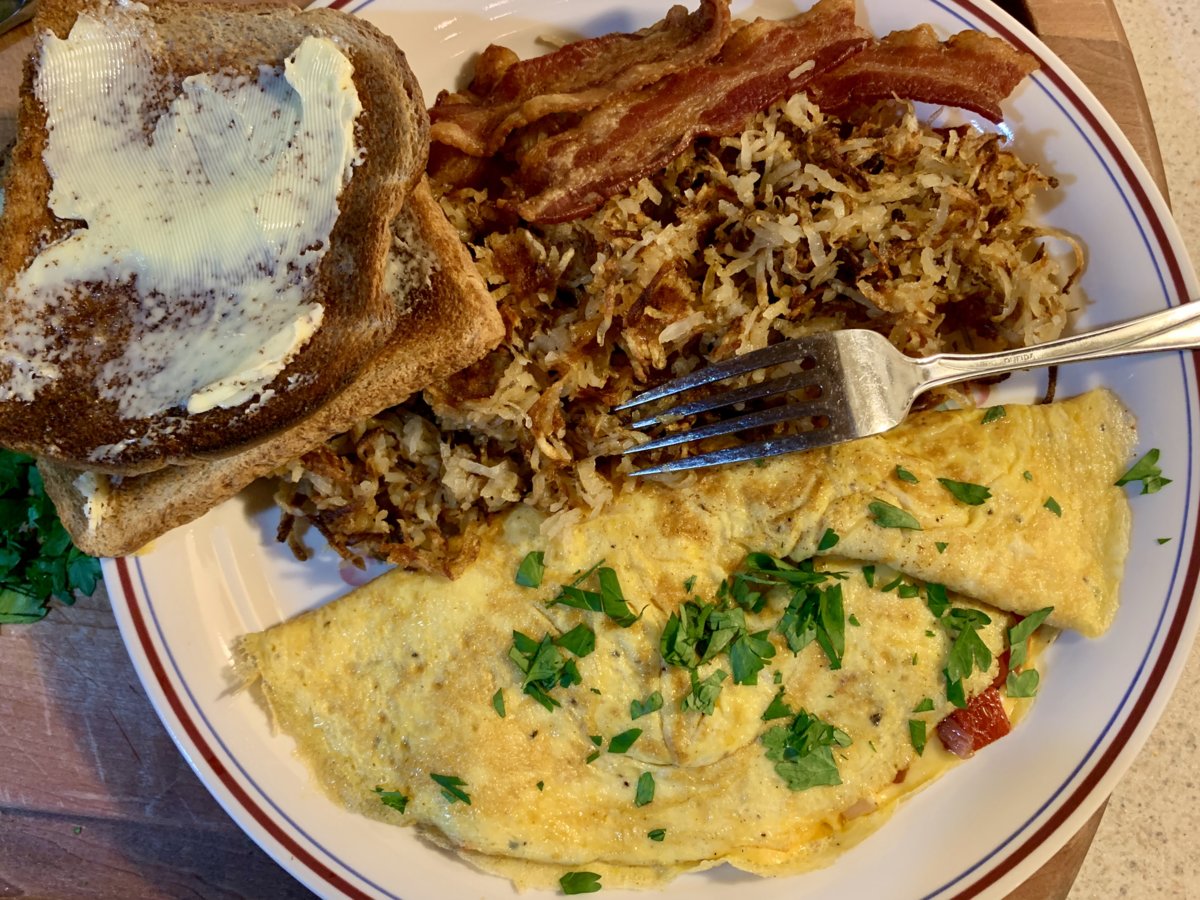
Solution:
(802, 751)
(869, 575)
(993, 413)
(816, 613)
(580, 640)
(498, 702)
(925, 705)
(394, 799)
(967, 653)
(541, 785)
(451, 786)
(597, 739)
(1022, 684)
(592, 757)
(531, 570)
(622, 742)
(543, 666)
(645, 790)
(941, 546)
(690, 584)
(1018, 636)
(696, 633)
(965, 492)
(657, 834)
(1146, 471)
(1027, 475)
(916, 733)
(888, 516)
(767, 569)
(579, 883)
(702, 698)
(956, 693)
(936, 599)
(904, 475)
(748, 654)
(777, 709)
(572, 595)
(37, 560)
(612, 601)
(853, 620)
(639, 708)
(828, 540)
(83, 572)
(1163, 540)
(17, 608)
(608, 600)
(908, 591)
(577, 598)
(1052, 505)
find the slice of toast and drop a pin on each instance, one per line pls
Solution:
(76, 414)
(448, 320)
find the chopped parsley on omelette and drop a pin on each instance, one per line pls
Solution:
(674, 682)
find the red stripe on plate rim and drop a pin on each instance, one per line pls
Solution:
(1012, 859)
(1178, 284)
(205, 752)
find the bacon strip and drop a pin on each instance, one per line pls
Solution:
(636, 132)
(507, 93)
(971, 71)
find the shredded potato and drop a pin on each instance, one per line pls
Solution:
(802, 223)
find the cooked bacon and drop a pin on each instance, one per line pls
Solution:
(970, 70)
(984, 720)
(507, 93)
(637, 132)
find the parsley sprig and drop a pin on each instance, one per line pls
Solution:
(37, 559)
(702, 698)
(815, 610)
(608, 599)
(803, 751)
(698, 632)
(1022, 682)
(1146, 471)
(394, 799)
(967, 653)
(544, 667)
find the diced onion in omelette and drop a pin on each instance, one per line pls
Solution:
(396, 681)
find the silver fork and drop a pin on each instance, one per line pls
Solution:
(867, 386)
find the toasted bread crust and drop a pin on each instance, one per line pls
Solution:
(67, 420)
(444, 325)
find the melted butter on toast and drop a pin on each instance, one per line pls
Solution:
(212, 208)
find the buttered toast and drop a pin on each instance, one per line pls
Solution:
(448, 320)
(208, 272)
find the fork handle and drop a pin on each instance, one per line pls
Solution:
(1177, 328)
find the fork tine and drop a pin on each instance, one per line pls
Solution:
(772, 416)
(728, 398)
(805, 440)
(787, 351)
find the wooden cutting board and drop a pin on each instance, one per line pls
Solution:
(94, 798)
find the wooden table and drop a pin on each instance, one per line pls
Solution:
(95, 800)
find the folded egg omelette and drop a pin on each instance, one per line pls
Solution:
(747, 667)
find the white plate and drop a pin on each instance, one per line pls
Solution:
(983, 828)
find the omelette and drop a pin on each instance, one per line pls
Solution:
(747, 666)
